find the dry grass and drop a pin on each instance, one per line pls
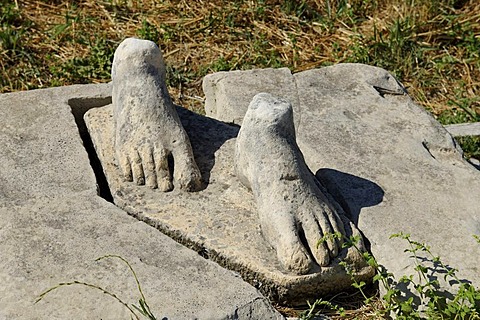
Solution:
(352, 303)
(432, 46)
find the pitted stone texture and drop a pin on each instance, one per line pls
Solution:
(53, 226)
(290, 202)
(220, 221)
(225, 103)
(147, 127)
(390, 165)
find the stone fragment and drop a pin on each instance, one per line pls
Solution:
(290, 203)
(464, 129)
(223, 102)
(53, 226)
(147, 128)
(390, 165)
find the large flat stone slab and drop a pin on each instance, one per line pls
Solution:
(390, 164)
(53, 226)
(220, 221)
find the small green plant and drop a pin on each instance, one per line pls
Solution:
(310, 313)
(464, 304)
(427, 300)
(11, 31)
(143, 308)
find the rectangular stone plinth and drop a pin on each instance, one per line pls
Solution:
(464, 129)
(220, 221)
(222, 103)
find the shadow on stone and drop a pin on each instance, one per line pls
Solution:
(79, 106)
(436, 270)
(351, 192)
(475, 163)
(438, 275)
(206, 135)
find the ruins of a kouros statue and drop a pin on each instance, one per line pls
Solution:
(290, 203)
(147, 127)
(232, 186)
(253, 204)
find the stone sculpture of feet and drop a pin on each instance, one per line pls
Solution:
(147, 127)
(294, 213)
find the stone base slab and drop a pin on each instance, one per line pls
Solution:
(220, 221)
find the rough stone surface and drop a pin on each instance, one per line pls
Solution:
(53, 225)
(290, 202)
(391, 166)
(147, 127)
(221, 220)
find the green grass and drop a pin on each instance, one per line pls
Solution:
(141, 308)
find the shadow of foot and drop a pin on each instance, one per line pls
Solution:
(351, 192)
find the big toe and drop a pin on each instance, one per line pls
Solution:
(190, 179)
(295, 258)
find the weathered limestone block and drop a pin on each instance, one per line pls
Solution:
(391, 166)
(147, 127)
(291, 204)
